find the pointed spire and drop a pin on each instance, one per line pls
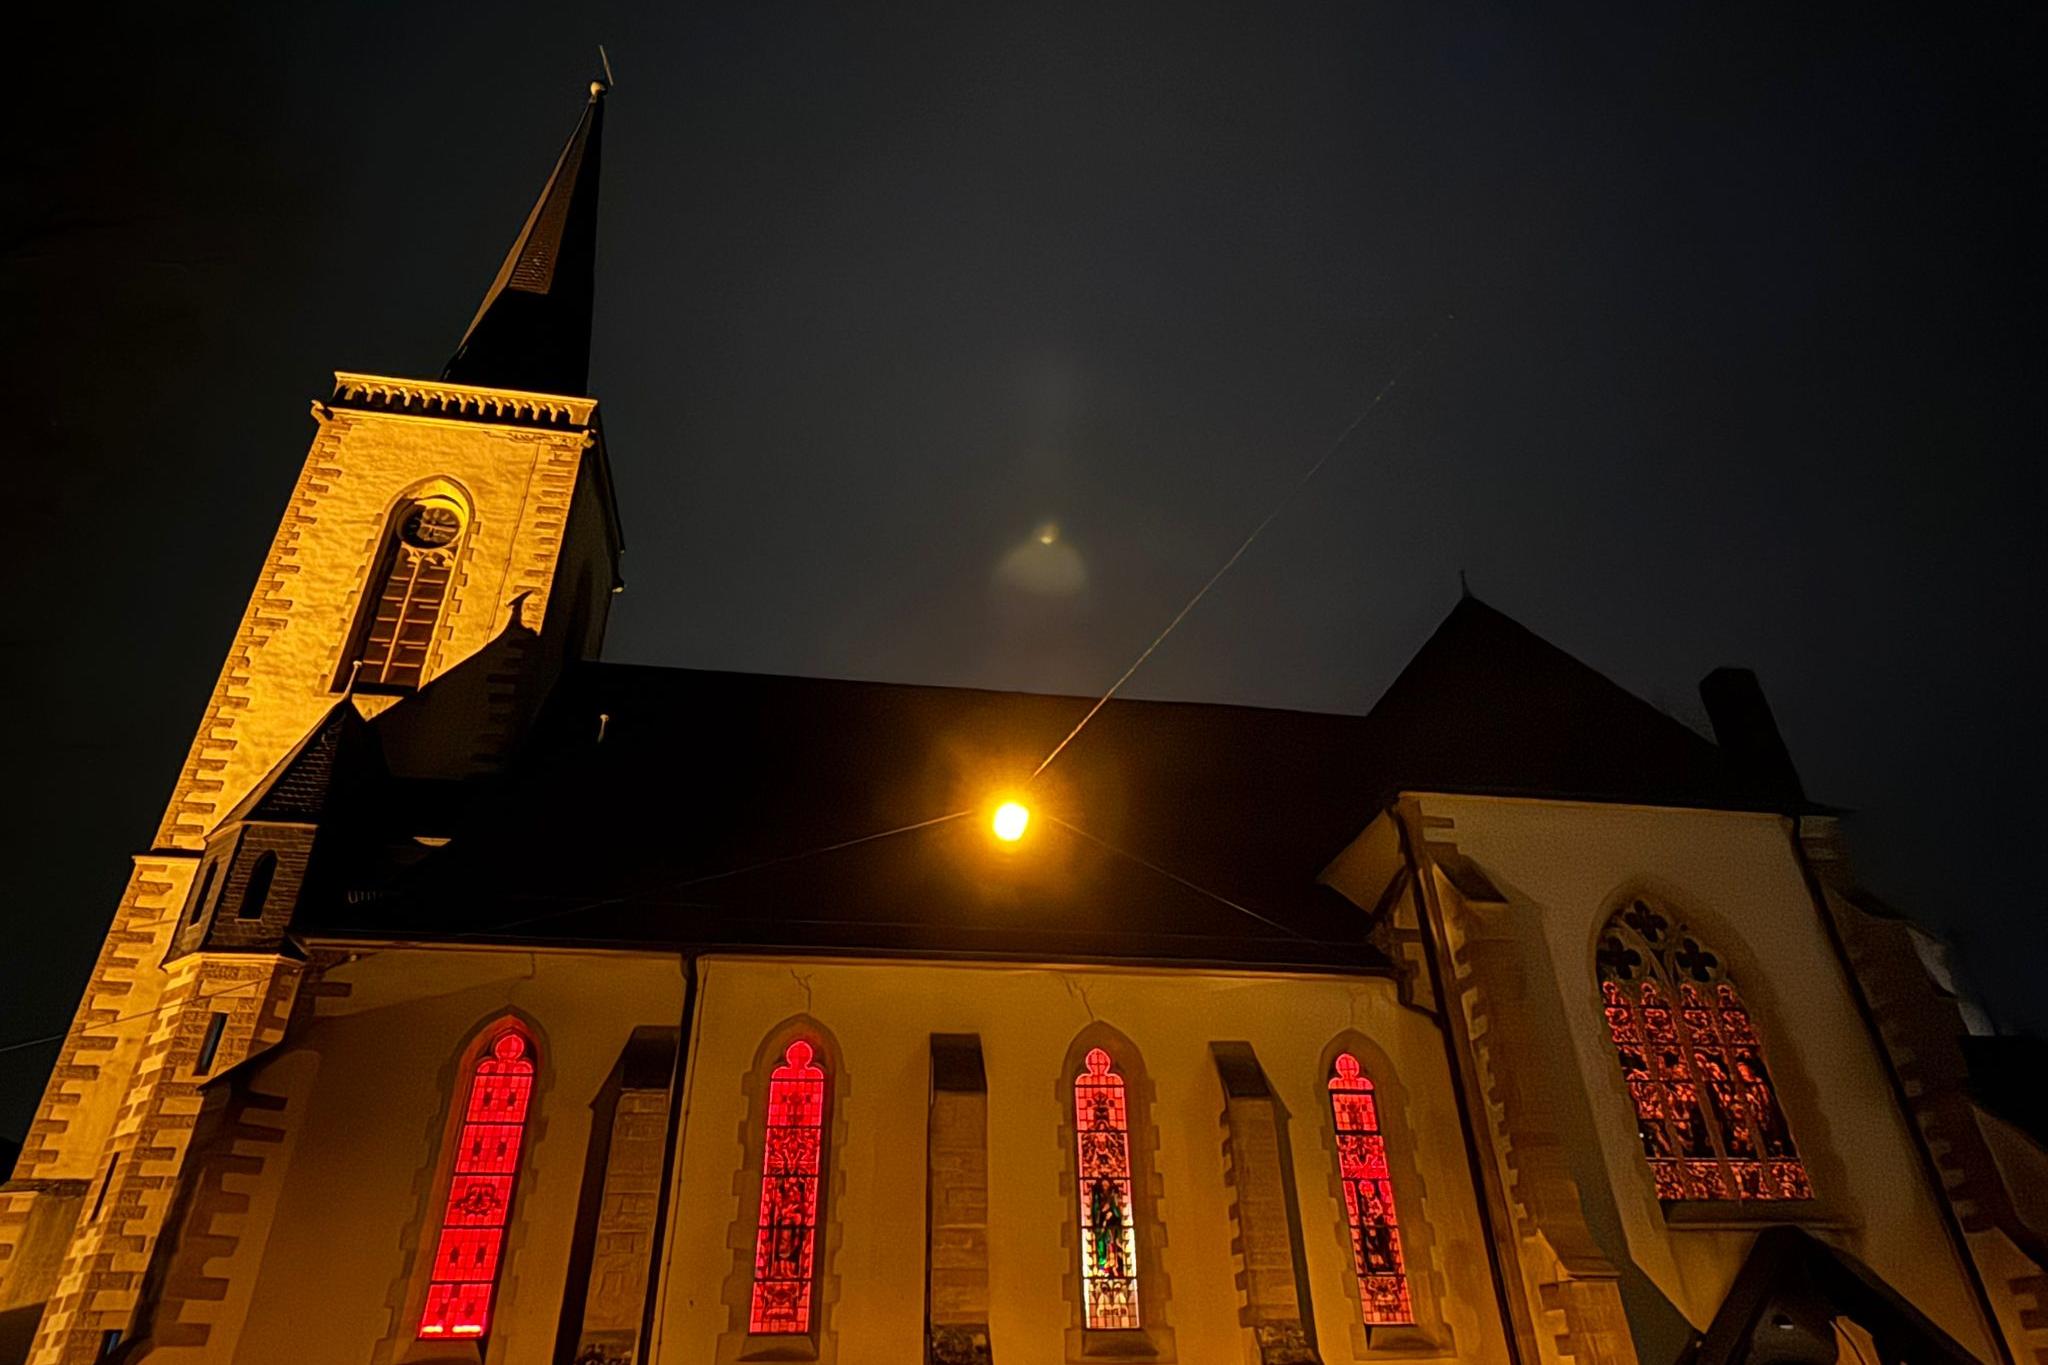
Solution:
(533, 330)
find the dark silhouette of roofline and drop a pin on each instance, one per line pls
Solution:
(532, 331)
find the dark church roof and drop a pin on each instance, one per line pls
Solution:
(664, 805)
(690, 808)
(301, 787)
(533, 330)
(1487, 706)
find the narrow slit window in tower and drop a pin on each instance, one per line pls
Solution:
(256, 894)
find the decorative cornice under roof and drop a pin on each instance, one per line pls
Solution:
(460, 402)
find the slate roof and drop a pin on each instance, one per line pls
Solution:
(1488, 706)
(301, 786)
(691, 808)
(641, 835)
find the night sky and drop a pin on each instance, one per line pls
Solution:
(1743, 370)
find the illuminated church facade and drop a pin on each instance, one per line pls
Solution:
(480, 1001)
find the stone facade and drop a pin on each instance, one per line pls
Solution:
(957, 1233)
(1999, 1209)
(122, 1097)
(257, 1122)
(623, 1244)
(1264, 1211)
(286, 659)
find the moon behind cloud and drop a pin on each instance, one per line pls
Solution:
(1044, 565)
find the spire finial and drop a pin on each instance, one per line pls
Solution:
(533, 330)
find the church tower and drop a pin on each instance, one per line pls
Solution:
(449, 546)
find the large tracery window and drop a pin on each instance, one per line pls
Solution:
(1708, 1117)
(398, 623)
(472, 1241)
(1368, 1196)
(1109, 1239)
(792, 1194)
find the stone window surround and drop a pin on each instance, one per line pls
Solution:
(820, 1344)
(1430, 1334)
(1797, 1094)
(401, 1344)
(1153, 1342)
(360, 606)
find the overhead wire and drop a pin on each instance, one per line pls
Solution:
(97, 1030)
(100, 1029)
(1228, 564)
(1307, 476)
(1171, 875)
(823, 848)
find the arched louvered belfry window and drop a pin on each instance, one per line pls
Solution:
(256, 891)
(403, 604)
(469, 1251)
(1368, 1196)
(792, 1195)
(1706, 1112)
(1109, 1236)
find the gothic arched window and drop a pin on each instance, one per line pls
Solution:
(410, 589)
(792, 1194)
(1709, 1119)
(1109, 1238)
(1368, 1196)
(472, 1242)
(256, 891)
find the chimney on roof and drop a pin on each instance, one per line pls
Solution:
(1747, 731)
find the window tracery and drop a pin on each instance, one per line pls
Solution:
(470, 1248)
(1368, 1196)
(792, 1192)
(1109, 1240)
(398, 625)
(1706, 1111)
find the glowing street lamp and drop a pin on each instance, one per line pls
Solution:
(1011, 819)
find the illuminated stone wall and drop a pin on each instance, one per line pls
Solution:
(338, 1205)
(287, 653)
(536, 497)
(1996, 1176)
(335, 1150)
(882, 1016)
(1525, 888)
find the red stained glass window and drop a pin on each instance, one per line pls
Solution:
(792, 1191)
(1709, 1120)
(472, 1237)
(1109, 1238)
(1368, 1196)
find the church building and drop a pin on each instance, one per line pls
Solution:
(481, 1001)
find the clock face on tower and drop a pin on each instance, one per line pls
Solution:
(430, 526)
